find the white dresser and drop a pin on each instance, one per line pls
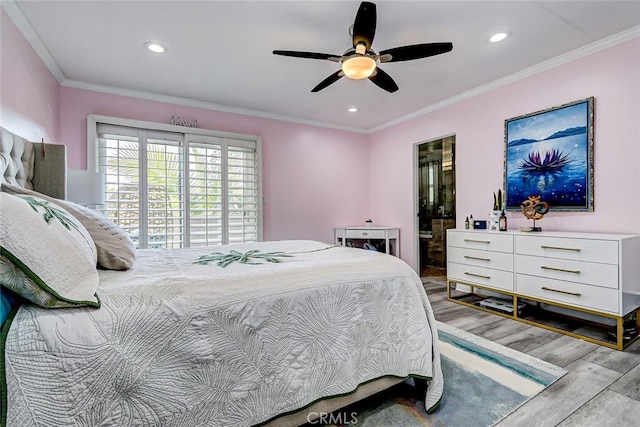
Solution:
(576, 275)
(390, 235)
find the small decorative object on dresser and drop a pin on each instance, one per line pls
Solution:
(534, 208)
(479, 224)
(580, 284)
(498, 207)
(502, 222)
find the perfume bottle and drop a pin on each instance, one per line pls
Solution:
(502, 222)
(466, 223)
(471, 222)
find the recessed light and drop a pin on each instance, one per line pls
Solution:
(155, 47)
(498, 37)
(352, 109)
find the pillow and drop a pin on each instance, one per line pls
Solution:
(46, 255)
(116, 251)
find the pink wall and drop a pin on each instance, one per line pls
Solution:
(29, 94)
(313, 178)
(612, 76)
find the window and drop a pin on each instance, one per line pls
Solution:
(172, 189)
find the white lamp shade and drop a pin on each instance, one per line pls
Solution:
(358, 66)
(85, 187)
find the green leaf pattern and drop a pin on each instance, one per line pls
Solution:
(251, 257)
(51, 212)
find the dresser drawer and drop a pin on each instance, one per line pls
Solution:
(569, 293)
(605, 275)
(359, 233)
(483, 241)
(480, 275)
(478, 258)
(591, 250)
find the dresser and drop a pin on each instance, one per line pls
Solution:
(581, 284)
(369, 234)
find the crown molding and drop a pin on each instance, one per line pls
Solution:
(18, 18)
(587, 50)
(203, 105)
(16, 15)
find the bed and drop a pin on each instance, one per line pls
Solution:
(270, 333)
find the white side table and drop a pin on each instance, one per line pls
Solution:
(390, 235)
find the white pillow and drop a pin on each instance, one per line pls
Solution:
(46, 255)
(116, 251)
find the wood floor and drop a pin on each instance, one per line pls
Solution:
(602, 387)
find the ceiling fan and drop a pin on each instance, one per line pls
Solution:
(360, 61)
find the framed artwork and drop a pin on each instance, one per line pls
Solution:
(549, 154)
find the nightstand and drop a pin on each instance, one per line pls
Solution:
(390, 235)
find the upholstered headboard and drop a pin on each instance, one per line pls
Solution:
(30, 165)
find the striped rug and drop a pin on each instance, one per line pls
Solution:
(484, 382)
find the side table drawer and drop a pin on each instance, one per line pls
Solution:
(482, 276)
(478, 258)
(569, 293)
(365, 234)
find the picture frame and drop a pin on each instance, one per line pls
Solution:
(549, 153)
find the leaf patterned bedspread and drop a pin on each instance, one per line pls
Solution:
(182, 343)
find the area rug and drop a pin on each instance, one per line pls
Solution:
(484, 382)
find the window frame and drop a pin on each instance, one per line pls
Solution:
(92, 150)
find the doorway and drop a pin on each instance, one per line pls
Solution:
(436, 203)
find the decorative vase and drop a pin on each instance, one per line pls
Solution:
(494, 220)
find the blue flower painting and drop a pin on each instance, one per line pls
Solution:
(550, 153)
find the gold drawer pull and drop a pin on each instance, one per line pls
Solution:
(560, 249)
(477, 241)
(575, 294)
(477, 258)
(477, 275)
(544, 267)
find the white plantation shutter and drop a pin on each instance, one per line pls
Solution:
(119, 160)
(173, 190)
(242, 197)
(205, 191)
(165, 190)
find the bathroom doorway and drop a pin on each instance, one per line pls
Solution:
(436, 204)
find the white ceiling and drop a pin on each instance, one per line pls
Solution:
(220, 52)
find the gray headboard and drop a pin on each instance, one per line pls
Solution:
(25, 164)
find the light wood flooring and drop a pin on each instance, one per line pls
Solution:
(602, 387)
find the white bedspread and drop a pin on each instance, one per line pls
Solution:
(183, 344)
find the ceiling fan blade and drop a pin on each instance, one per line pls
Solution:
(329, 80)
(364, 26)
(384, 81)
(416, 51)
(308, 55)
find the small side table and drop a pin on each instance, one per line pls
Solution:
(390, 235)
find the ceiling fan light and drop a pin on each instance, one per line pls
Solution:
(358, 67)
